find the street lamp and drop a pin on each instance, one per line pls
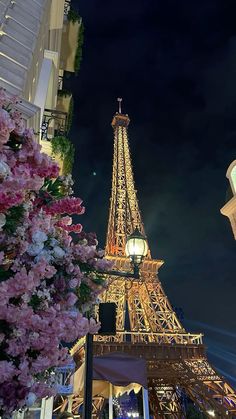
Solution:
(211, 413)
(133, 415)
(136, 249)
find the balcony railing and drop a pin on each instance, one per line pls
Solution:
(55, 124)
(67, 5)
(60, 82)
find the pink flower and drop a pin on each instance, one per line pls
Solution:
(41, 364)
(73, 283)
(66, 224)
(19, 123)
(6, 126)
(29, 134)
(103, 265)
(1, 257)
(15, 348)
(94, 326)
(43, 269)
(22, 282)
(75, 228)
(25, 177)
(37, 300)
(4, 295)
(9, 199)
(42, 390)
(65, 206)
(71, 299)
(65, 221)
(7, 371)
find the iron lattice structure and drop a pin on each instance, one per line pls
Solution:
(147, 325)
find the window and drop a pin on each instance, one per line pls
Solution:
(231, 175)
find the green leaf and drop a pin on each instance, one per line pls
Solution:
(84, 267)
(15, 301)
(79, 49)
(63, 147)
(4, 275)
(53, 188)
(99, 279)
(33, 353)
(73, 15)
(83, 293)
(5, 327)
(35, 302)
(13, 218)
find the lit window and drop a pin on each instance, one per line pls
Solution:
(231, 175)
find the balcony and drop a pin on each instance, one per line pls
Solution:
(67, 5)
(54, 124)
(54, 134)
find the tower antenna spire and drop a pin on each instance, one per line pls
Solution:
(119, 99)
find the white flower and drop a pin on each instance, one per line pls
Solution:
(44, 294)
(17, 333)
(54, 242)
(4, 170)
(2, 220)
(97, 301)
(73, 312)
(101, 253)
(30, 399)
(34, 335)
(34, 249)
(58, 252)
(28, 205)
(44, 254)
(26, 298)
(39, 237)
(92, 275)
(20, 231)
(85, 307)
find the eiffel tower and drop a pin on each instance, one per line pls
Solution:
(147, 325)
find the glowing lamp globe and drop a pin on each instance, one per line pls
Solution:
(136, 247)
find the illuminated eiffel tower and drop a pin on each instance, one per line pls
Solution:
(147, 325)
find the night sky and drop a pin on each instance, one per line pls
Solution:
(174, 64)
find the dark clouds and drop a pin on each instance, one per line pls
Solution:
(174, 64)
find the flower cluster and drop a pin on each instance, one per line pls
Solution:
(48, 281)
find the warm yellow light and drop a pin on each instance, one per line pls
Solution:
(136, 247)
(211, 413)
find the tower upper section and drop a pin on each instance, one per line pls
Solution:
(124, 214)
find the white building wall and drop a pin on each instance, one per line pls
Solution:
(41, 44)
(30, 35)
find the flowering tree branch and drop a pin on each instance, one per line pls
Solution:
(47, 280)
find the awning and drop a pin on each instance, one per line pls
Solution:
(124, 372)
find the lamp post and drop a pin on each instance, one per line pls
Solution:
(136, 249)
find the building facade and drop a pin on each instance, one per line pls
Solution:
(229, 209)
(35, 48)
